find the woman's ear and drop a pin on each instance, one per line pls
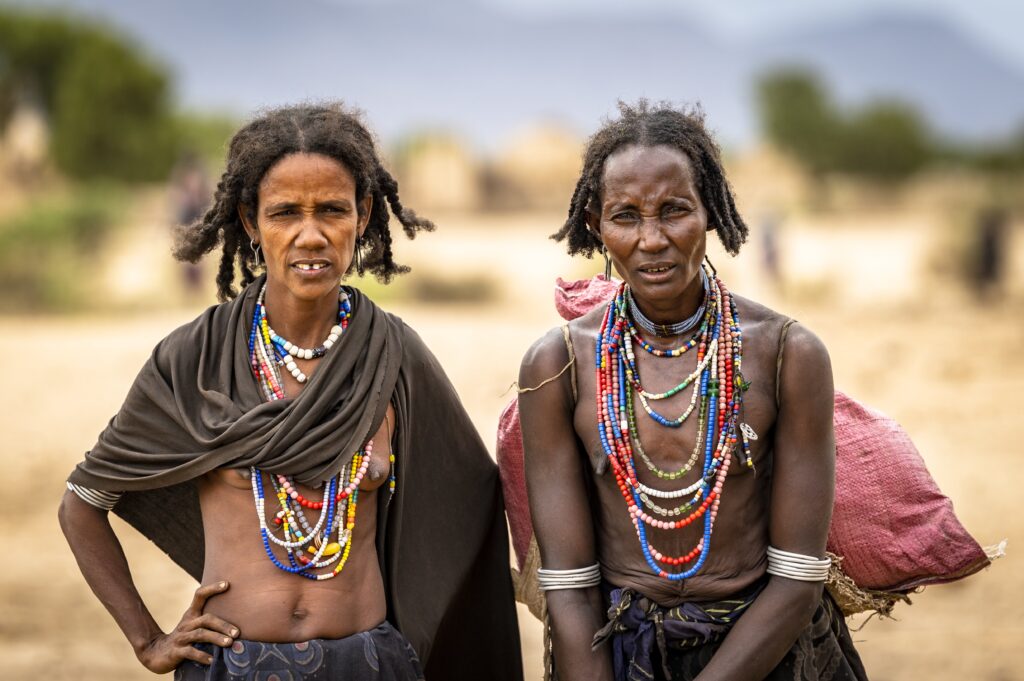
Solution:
(244, 212)
(594, 223)
(365, 208)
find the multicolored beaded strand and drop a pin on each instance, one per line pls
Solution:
(268, 351)
(717, 388)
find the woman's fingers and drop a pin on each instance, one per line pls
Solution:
(196, 655)
(200, 635)
(203, 593)
(214, 623)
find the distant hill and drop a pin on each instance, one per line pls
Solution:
(484, 72)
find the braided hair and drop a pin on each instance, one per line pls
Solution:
(330, 129)
(646, 125)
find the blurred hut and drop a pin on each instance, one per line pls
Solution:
(437, 173)
(536, 169)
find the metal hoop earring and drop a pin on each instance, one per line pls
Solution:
(255, 252)
(607, 263)
(358, 256)
(714, 272)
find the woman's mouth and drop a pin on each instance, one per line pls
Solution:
(656, 272)
(311, 268)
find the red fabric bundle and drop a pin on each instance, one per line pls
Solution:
(893, 527)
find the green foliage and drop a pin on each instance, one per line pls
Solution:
(48, 250)
(884, 141)
(797, 116)
(206, 135)
(108, 105)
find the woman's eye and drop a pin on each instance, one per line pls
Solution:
(625, 216)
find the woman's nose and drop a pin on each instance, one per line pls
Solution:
(652, 234)
(311, 233)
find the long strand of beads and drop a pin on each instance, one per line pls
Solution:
(663, 474)
(347, 490)
(718, 388)
(268, 351)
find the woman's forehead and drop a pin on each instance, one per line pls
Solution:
(305, 169)
(636, 167)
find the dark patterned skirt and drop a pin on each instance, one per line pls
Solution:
(652, 642)
(380, 654)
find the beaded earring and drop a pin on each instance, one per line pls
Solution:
(607, 263)
(358, 256)
(255, 252)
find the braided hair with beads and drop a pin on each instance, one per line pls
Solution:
(332, 130)
(649, 125)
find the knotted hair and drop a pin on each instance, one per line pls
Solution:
(330, 129)
(650, 125)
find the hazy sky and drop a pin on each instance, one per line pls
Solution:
(999, 23)
(959, 62)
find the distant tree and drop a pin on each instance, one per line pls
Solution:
(108, 105)
(797, 117)
(885, 141)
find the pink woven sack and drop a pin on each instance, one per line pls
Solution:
(891, 525)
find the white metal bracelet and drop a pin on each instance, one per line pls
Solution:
(797, 566)
(579, 578)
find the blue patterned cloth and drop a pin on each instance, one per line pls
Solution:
(380, 654)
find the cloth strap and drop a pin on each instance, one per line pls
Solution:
(572, 362)
(778, 358)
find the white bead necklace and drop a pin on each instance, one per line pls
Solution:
(290, 351)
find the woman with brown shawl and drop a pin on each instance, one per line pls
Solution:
(681, 515)
(299, 450)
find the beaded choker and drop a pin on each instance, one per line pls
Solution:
(310, 550)
(717, 397)
(676, 329)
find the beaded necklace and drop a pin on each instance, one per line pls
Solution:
(268, 352)
(656, 329)
(718, 388)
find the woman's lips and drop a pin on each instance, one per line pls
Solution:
(311, 269)
(656, 273)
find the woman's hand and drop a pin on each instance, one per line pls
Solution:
(165, 652)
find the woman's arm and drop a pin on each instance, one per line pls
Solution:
(555, 481)
(103, 564)
(803, 487)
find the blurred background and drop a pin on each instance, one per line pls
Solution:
(877, 151)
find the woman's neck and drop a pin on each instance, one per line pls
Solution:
(305, 323)
(666, 312)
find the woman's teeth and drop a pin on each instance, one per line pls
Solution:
(311, 266)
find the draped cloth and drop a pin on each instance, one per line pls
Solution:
(637, 626)
(654, 643)
(381, 654)
(442, 541)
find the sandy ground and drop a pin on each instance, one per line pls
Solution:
(949, 371)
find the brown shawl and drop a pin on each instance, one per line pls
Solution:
(443, 542)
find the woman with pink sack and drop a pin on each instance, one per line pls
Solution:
(680, 473)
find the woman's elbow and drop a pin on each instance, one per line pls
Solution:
(802, 598)
(71, 512)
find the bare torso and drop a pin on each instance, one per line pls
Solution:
(740, 538)
(269, 604)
